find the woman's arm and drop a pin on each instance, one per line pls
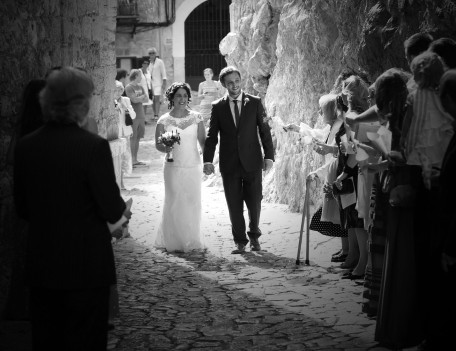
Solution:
(201, 135)
(130, 91)
(200, 90)
(371, 151)
(324, 149)
(368, 116)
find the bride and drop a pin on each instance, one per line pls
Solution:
(179, 229)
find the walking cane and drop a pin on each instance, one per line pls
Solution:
(305, 212)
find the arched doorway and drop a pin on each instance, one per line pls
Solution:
(205, 27)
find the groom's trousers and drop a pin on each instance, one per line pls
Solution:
(241, 186)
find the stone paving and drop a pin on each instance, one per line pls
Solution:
(197, 301)
(213, 300)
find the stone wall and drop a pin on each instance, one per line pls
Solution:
(291, 51)
(36, 36)
(136, 45)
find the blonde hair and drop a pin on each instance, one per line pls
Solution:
(134, 73)
(119, 85)
(66, 96)
(328, 105)
(357, 93)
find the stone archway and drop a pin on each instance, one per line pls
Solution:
(182, 12)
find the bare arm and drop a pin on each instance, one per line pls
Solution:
(368, 116)
(201, 135)
(132, 95)
(200, 90)
(369, 149)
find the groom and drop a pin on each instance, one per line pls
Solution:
(240, 118)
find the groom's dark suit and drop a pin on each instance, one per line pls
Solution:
(241, 159)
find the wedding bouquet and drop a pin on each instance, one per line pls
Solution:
(169, 139)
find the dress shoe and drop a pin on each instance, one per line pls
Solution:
(352, 276)
(348, 266)
(340, 258)
(338, 253)
(255, 245)
(240, 248)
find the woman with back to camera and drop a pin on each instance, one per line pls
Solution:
(179, 229)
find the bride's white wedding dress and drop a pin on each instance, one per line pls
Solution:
(179, 229)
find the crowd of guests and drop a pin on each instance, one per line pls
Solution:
(389, 193)
(390, 163)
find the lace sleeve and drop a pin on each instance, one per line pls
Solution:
(163, 120)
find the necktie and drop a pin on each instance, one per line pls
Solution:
(236, 113)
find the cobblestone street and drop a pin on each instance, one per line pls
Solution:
(213, 300)
(170, 302)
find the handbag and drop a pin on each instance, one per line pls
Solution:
(347, 187)
(403, 196)
(128, 120)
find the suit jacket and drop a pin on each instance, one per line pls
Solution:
(448, 198)
(65, 187)
(241, 144)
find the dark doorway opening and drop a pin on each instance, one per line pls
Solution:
(205, 27)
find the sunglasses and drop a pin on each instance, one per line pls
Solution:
(152, 53)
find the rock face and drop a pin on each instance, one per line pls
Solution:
(36, 36)
(291, 51)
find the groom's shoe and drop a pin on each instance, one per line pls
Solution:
(255, 245)
(240, 249)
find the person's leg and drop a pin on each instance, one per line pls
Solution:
(353, 250)
(156, 105)
(87, 319)
(134, 149)
(141, 131)
(232, 185)
(134, 141)
(361, 237)
(47, 319)
(122, 186)
(344, 240)
(253, 193)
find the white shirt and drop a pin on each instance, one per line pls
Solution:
(157, 72)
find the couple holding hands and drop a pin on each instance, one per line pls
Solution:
(238, 119)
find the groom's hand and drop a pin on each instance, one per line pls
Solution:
(267, 165)
(208, 169)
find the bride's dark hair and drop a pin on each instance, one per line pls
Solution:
(172, 90)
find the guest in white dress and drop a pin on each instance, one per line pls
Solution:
(179, 229)
(209, 90)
